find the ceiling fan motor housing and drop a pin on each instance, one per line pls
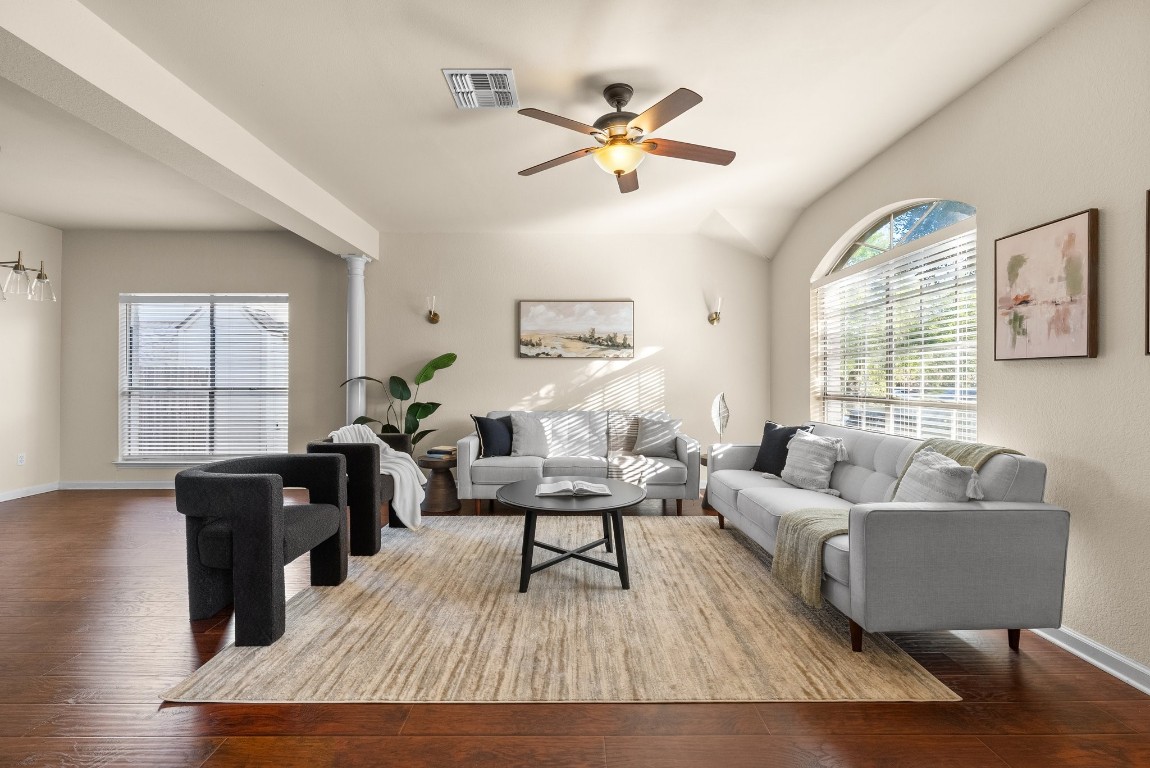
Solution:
(614, 123)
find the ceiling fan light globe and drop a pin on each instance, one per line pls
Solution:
(619, 157)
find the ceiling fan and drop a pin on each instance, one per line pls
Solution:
(622, 136)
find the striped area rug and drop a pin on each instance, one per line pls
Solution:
(436, 616)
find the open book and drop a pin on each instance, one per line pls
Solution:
(572, 488)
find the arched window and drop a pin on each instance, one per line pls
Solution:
(893, 326)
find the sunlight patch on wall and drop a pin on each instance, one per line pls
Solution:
(637, 385)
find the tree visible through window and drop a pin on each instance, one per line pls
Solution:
(893, 327)
(203, 376)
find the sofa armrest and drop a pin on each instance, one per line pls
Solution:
(732, 456)
(969, 565)
(687, 451)
(467, 451)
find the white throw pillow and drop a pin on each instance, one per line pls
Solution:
(528, 438)
(568, 434)
(934, 477)
(657, 437)
(810, 461)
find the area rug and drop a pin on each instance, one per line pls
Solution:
(437, 616)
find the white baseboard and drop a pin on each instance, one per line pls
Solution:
(32, 490)
(115, 485)
(1125, 669)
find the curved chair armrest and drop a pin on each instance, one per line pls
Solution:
(202, 493)
(323, 474)
(687, 451)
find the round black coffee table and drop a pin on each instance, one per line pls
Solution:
(522, 495)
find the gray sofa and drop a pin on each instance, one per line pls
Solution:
(591, 443)
(995, 563)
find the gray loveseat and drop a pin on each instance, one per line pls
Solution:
(591, 443)
(994, 563)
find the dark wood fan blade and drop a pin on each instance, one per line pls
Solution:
(557, 161)
(628, 182)
(666, 110)
(562, 122)
(684, 151)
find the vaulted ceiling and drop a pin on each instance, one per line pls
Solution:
(350, 93)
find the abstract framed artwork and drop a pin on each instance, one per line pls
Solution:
(1046, 290)
(554, 329)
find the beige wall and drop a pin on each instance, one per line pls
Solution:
(1060, 128)
(682, 362)
(30, 369)
(104, 264)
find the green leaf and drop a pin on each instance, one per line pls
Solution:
(399, 389)
(367, 420)
(410, 423)
(363, 378)
(420, 435)
(423, 410)
(389, 429)
(437, 364)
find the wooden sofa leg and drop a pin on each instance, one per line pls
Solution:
(722, 522)
(856, 636)
(1013, 636)
(679, 507)
(478, 507)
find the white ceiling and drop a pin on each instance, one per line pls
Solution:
(351, 94)
(60, 171)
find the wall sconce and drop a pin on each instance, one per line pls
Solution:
(20, 282)
(432, 315)
(713, 318)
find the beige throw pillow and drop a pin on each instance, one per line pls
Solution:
(934, 477)
(810, 461)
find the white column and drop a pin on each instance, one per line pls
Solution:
(356, 336)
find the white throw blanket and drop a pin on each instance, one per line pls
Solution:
(402, 468)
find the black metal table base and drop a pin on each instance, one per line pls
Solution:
(612, 524)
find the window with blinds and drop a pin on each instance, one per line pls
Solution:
(893, 340)
(202, 376)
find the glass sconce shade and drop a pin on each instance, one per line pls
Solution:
(41, 289)
(18, 280)
(619, 156)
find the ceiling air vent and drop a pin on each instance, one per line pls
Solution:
(482, 88)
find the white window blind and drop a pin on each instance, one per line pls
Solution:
(893, 346)
(202, 376)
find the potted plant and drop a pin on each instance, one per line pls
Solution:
(403, 419)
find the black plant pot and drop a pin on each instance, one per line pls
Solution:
(398, 442)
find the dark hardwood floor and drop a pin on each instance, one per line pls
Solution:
(93, 625)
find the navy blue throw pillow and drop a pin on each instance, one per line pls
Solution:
(494, 436)
(773, 450)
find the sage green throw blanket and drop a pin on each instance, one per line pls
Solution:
(967, 454)
(799, 544)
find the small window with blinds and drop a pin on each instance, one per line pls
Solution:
(202, 376)
(893, 339)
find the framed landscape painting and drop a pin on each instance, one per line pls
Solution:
(551, 329)
(1046, 290)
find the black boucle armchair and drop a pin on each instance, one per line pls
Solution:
(240, 535)
(367, 492)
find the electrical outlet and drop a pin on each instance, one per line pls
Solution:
(19, 459)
